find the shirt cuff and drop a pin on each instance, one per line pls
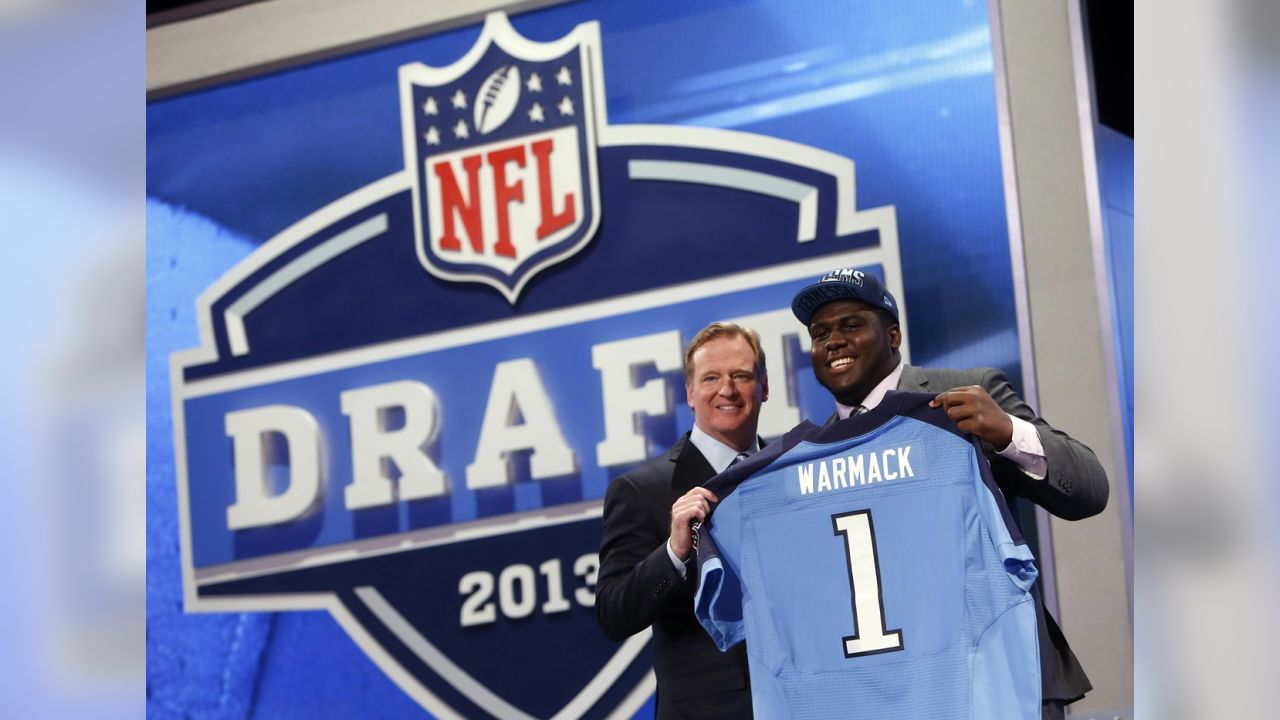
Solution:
(1025, 450)
(675, 560)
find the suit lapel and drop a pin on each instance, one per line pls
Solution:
(913, 378)
(691, 468)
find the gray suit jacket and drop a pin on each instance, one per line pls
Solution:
(1074, 488)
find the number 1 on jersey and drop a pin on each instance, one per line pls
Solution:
(870, 636)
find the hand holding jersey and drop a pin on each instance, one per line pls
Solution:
(693, 506)
(974, 412)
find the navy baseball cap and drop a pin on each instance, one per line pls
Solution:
(843, 284)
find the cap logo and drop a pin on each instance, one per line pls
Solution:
(849, 275)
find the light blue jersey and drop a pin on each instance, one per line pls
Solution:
(875, 572)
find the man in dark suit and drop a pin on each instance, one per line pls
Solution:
(645, 577)
(853, 325)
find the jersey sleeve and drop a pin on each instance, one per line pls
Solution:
(1019, 564)
(1006, 660)
(718, 602)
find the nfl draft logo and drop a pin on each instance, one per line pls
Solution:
(501, 145)
(396, 416)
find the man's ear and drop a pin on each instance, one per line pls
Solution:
(895, 336)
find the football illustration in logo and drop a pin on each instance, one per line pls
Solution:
(497, 98)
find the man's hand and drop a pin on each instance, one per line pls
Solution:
(976, 413)
(690, 507)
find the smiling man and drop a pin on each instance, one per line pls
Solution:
(853, 325)
(644, 580)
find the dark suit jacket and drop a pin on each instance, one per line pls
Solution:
(1075, 487)
(638, 587)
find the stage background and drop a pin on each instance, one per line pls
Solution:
(910, 93)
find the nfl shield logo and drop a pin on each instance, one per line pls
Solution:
(501, 148)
